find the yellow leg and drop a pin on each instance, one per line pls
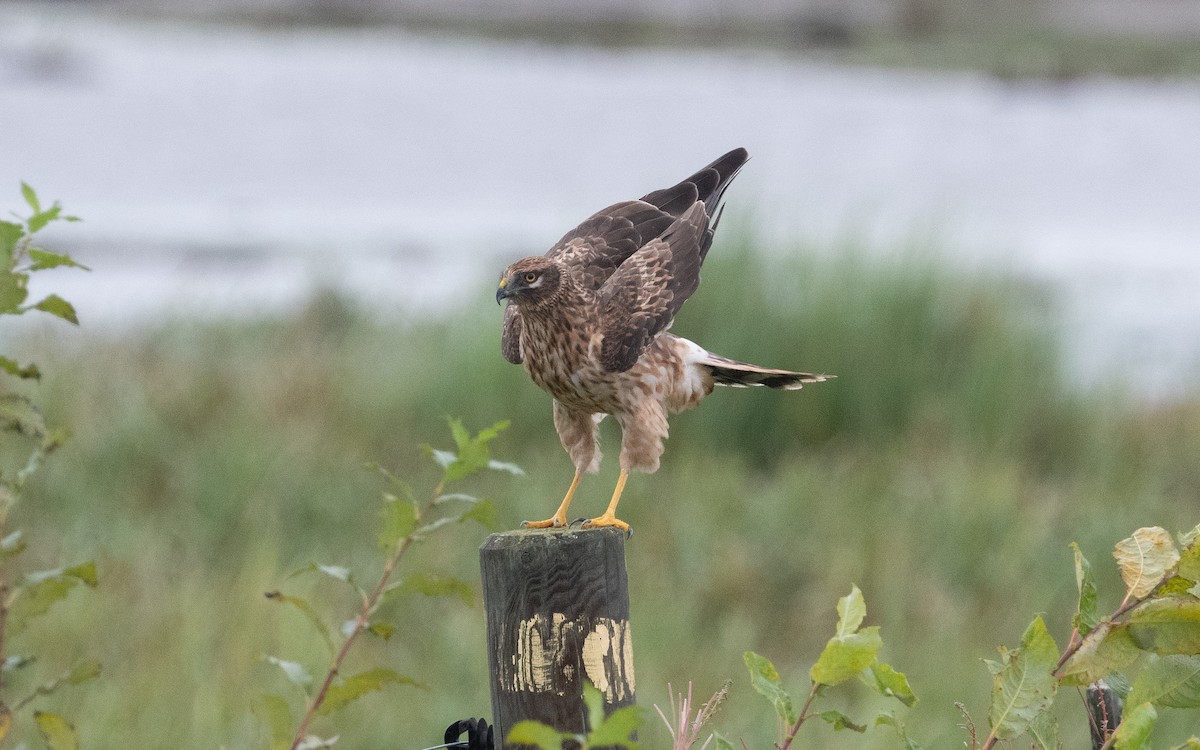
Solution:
(610, 516)
(560, 516)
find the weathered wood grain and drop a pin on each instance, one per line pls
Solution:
(557, 606)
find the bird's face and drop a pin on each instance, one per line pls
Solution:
(528, 281)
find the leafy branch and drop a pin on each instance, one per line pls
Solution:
(405, 522)
(32, 595)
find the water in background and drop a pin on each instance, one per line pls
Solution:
(222, 170)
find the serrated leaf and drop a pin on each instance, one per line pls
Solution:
(1172, 681)
(1086, 617)
(1135, 728)
(399, 521)
(888, 682)
(309, 613)
(1044, 730)
(343, 693)
(58, 307)
(274, 711)
(43, 260)
(839, 720)
(846, 656)
(26, 372)
(58, 733)
(1023, 685)
(1107, 649)
(616, 730)
(537, 734)
(764, 678)
(1167, 626)
(431, 585)
(1144, 559)
(294, 671)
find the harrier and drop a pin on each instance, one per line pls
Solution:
(589, 319)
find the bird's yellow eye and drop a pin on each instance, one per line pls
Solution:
(530, 277)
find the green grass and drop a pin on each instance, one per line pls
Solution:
(944, 471)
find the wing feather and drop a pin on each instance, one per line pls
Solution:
(644, 294)
(510, 338)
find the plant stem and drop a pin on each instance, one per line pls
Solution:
(360, 624)
(804, 716)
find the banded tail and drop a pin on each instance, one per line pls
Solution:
(736, 374)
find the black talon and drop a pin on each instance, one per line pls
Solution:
(578, 521)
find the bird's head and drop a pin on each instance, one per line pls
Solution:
(529, 280)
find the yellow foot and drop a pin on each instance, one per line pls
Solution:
(553, 522)
(608, 519)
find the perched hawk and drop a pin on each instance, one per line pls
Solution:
(589, 321)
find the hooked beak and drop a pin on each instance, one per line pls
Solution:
(502, 290)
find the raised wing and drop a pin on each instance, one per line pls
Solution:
(642, 297)
(595, 249)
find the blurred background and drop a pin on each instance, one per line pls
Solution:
(981, 216)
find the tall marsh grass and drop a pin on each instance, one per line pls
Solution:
(944, 471)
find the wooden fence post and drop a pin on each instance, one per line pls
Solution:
(557, 606)
(1104, 712)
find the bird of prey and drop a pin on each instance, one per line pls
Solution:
(589, 321)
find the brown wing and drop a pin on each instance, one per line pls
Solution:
(642, 297)
(597, 247)
(510, 338)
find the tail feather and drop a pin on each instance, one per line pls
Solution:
(736, 374)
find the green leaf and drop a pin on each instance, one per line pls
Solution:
(14, 289)
(59, 307)
(39, 591)
(482, 513)
(617, 729)
(57, 731)
(839, 720)
(1022, 683)
(19, 414)
(846, 656)
(593, 701)
(30, 197)
(27, 372)
(1086, 617)
(890, 720)
(537, 734)
(765, 679)
(384, 630)
(347, 691)
(1144, 559)
(10, 235)
(1107, 649)
(1136, 726)
(888, 682)
(431, 585)
(1192, 743)
(1044, 730)
(40, 219)
(83, 671)
(851, 609)
(399, 521)
(1189, 563)
(309, 613)
(722, 743)
(43, 260)
(294, 671)
(472, 452)
(1172, 681)
(1170, 625)
(273, 711)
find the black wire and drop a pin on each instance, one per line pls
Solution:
(479, 735)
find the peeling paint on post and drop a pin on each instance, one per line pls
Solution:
(557, 606)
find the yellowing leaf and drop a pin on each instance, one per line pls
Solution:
(1135, 728)
(1167, 626)
(57, 731)
(1107, 649)
(1144, 558)
(1023, 685)
(765, 679)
